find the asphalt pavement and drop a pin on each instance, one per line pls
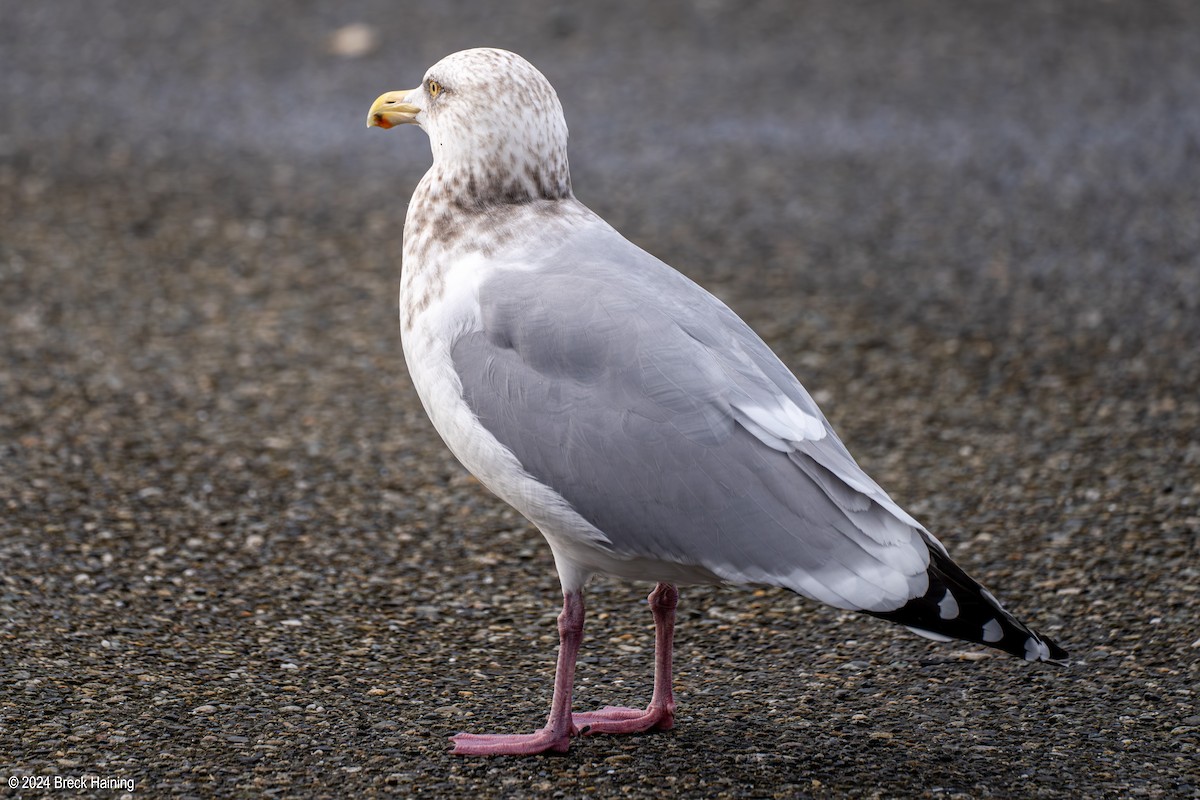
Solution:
(236, 561)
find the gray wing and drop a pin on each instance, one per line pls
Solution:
(669, 425)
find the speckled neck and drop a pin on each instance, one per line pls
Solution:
(489, 179)
(458, 212)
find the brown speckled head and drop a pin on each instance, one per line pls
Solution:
(496, 128)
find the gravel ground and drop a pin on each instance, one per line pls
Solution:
(237, 561)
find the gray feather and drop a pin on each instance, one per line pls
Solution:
(640, 398)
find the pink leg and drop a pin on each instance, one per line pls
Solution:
(559, 729)
(660, 713)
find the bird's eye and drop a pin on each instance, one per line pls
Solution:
(434, 88)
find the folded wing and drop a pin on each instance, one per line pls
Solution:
(670, 426)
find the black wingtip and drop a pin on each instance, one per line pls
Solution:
(955, 605)
(1057, 654)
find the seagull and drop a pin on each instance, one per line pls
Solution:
(631, 416)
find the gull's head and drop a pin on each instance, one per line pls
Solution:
(495, 125)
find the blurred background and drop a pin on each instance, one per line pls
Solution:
(236, 559)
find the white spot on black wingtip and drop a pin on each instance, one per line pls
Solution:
(1036, 650)
(948, 606)
(992, 632)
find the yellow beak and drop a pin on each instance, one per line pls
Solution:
(390, 110)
